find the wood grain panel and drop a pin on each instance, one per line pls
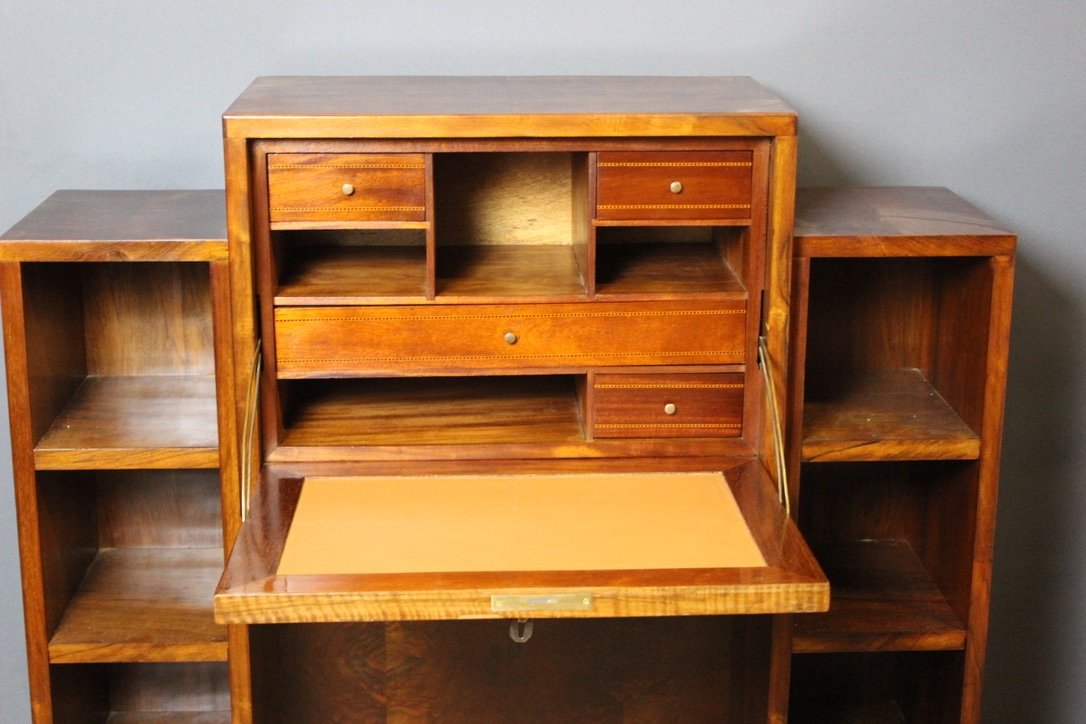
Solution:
(97, 226)
(674, 185)
(335, 341)
(882, 415)
(134, 422)
(667, 405)
(629, 670)
(143, 604)
(346, 187)
(882, 600)
(146, 319)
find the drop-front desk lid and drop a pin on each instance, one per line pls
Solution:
(587, 544)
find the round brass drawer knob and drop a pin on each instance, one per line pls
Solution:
(348, 189)
(510, 338)
(676, 187)
(670, 409)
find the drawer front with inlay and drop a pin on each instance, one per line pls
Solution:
(680, 185)
(346, 187)
(432, 339)
(667, 405)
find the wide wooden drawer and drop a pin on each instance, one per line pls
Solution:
(667, 405)
(349, 341)
(346, 187)
(689, 185)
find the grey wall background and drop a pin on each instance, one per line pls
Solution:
(988, 98)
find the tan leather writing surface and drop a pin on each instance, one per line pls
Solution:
(403, 524)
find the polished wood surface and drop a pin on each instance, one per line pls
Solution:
(577, 670)
(436, 107)
(894, 221)
(347, 187)
(907, 300)
(121, 225)
(252, 590)
(667, 404)
(349, 273)
(143, 604)
(883, 600)
(114, 412)
(674, 185)
(891, 414)
(632, 268)
(439, 411)
(346, 341)
(134, 422)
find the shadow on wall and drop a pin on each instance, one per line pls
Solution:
(1035, 613)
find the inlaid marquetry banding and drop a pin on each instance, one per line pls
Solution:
(549, 315)
(635, 164)
(725, 425)
(349, 208)
(616, 207)
(664, 386)
(460, 358)
(347, 165)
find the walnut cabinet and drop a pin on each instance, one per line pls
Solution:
(480, 404)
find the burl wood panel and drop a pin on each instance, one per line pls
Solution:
(700, 669)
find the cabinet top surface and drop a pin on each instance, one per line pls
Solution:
(498, 106)
(894, 221)
(73, 225)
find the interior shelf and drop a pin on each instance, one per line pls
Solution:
(663, 269)
(882, 599)
(433, 411)
(156, 421)
(146, 605)
(353, 274)
(886, 414)
(545, 271)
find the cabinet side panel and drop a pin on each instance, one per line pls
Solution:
(148, 319)
(870, 315)
(56, 360)
(176, 508)
(67, 528)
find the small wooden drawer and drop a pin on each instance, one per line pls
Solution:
(681, 185)
(667, 405)
(346, 187)
(429, 339)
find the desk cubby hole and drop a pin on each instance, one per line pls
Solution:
(671, 261)
(130, 559)
(511, 224)
(894, 346)
(121, 364)
(896, 542)
(876, 688)
(478, 410)
(139, 693)
(350, 266)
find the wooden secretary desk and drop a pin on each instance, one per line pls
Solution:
(487, 394)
